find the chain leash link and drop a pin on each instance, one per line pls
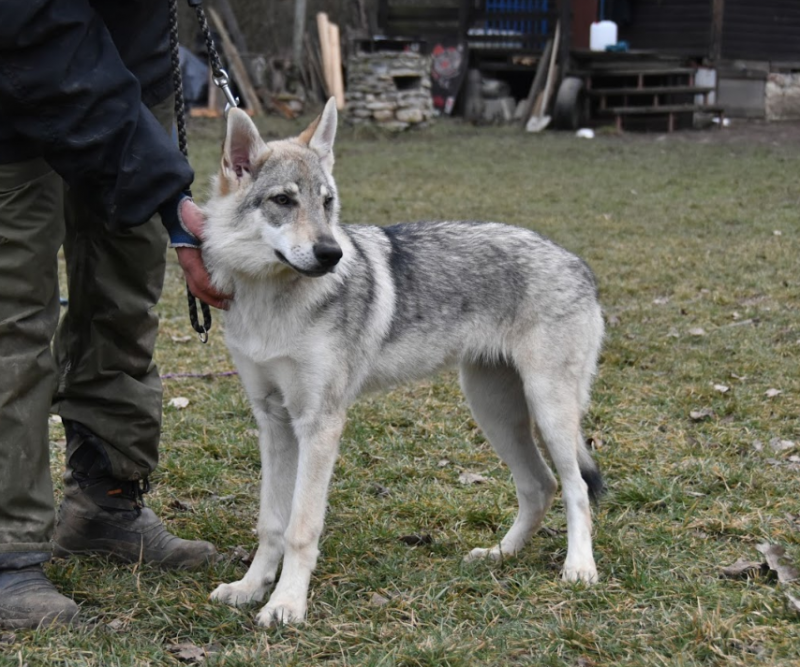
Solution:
(180, 119)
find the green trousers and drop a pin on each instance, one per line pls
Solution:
(99, 370)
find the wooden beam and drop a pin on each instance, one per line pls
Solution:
(715, 45)
(228, 15)
(299, 31)
(565, 19)
(324, 50)
(336, 66)
(239, 71)
(538, 83)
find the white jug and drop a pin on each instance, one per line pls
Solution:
(602, 34)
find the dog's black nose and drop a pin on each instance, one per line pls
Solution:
(327, 253)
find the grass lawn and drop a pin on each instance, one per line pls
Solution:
(695, 239)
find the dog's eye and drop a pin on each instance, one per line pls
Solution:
(328, 202)
(282, 200)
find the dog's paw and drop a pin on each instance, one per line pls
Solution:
(585, 574)
(238, 593)
(494, 553)
(272, 614)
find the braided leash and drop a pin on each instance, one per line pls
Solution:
(221, 80)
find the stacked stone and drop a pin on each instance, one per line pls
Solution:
(782, 96)
(389, 89)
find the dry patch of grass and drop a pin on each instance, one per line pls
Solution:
(700, 292)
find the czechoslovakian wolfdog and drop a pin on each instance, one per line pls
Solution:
(323, 312)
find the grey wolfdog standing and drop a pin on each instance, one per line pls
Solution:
(322, 312)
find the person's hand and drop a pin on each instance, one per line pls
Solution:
(191, 260)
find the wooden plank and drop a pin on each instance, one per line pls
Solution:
(669, 108)
(336, 66)
(538, 119)
(228, 15)
(611, 72)
(316, 75)
(239, 71)
(654, 90)
(537, 84)
(324, 48)
(717, 13)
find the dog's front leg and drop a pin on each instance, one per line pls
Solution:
(318, 438)
(279, 448)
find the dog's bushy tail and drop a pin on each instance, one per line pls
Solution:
(591, 474)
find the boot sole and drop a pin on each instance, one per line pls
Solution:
(110, 549)
(50, 621)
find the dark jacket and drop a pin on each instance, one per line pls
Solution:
(76, 78)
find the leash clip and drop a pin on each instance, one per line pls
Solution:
(222, 82)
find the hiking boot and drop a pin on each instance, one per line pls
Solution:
(28, 599)
(102, 515)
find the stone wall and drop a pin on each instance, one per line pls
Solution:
(782, 96)
(389, 89)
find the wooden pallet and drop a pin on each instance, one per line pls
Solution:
(671, 111)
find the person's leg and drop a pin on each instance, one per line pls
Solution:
(31, 228)
(109, 390)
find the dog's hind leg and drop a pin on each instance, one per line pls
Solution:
(497, 399)
(278, 446)
(555, 390)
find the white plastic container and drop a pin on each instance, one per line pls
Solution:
(602, 34)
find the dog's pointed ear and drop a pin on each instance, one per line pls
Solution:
(319, 136)
(243, 149)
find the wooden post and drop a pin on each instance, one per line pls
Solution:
(226, 12)
(299, 31)
(324, 50)
(565, 45)
(336, 66)
(239, 70)
(715, 45)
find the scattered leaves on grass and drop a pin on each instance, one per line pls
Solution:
(416, 539)
(443, 463)
(772, 393)
(471, 478)
(182, 339)
(661, 300)
(187, 652)
(701, 415)
(722, 388)
(743, 568)
(378, 600)
(179, 402)
(241, 555)
(697, 332)
(594, 443)
(117, 625)
(180, 506)
(774, 554)
(779, 445)
(380, 490)
(743, 323)
(752, 649)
